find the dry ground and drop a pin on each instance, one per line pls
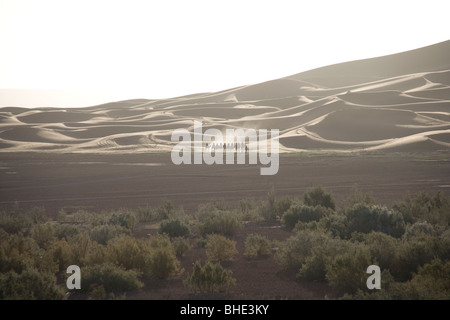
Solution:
(98, 182)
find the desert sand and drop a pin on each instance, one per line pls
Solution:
(399, 102)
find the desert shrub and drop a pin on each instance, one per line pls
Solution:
(383, 248)
(301, 226)
(219, 248)
(294, 251)
(366, 218)
(165, 210)
(126, 252)
(43, 234)
(65, 231)
(249, 210)
(104, 233)
(415, 253)
(317, 196)
(123, 219)
(420, 228)
(174, 228)
(209, 278)
(159, 257)
(444, 241)
(257, 245)
(336, 225)
(17, 253)
(219, 222)
(267, 212)
(274, 208)
(359, 197)
(82, 218)
(38, 215)
(81, 246)
(180, 246)
(282, 205)
(347, 272)
(422, 206)
(111, 277)
(164, 263)
(302, 213)
(321, 255)
(145, 214)
(15, 223)
(201, 242)
(61, 254)
(431, 282)
(29, 285)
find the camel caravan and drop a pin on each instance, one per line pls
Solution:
(226, 147)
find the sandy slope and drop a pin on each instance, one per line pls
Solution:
(399, 102)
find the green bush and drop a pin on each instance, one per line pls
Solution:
(420, 228)
(431, 282)
(128, 253)
(85, 251)
(43, 234)
(218, 221)
(174, 228)
(61, 255)
(180, 246)
(257, 245)
(219, 248)
(109, 276)
(124, 219)
(164, 263)
(145, 214)
(366, 218)
(17, 253)
(210, 278)
(248, 210)
(321, 255)
(336, 225)
(302, 213)
(166, 210)
(15, 223)
(383, 248)
(359, 197)
(274, 208)
(104, 233)
(66, 231)
(414, 253)
(347, 272)
(317, 196)
(29, 285)
(294, 251)
(422, 206)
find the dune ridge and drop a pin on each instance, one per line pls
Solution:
(399, 102)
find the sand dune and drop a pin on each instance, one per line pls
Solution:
(399, 102)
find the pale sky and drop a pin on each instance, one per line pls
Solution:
(114, 50)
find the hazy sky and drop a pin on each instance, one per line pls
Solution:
(158, 49)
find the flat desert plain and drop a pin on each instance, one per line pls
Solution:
(96, 182)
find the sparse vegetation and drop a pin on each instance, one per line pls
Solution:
(257, 245)
(317, 196)
(210, 278)
(219, 248)
(218, 220)
(174, 228)
(410, 242)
